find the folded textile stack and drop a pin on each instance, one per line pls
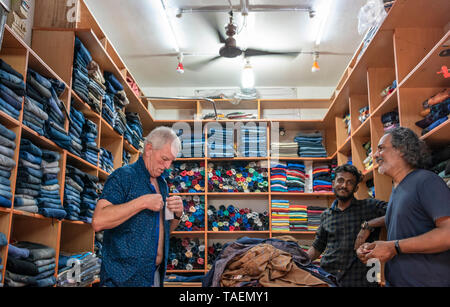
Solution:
(88, 136)
(390, 120)
(29, 177)
(134, 131)
(134, 87)
(77, 121)
(298, 217)
(120, 123)
(3, 242)
(436, 111)
(347, 123)
(310, 144)
(252, 140)
(89, 197)
(17, 18)
(186, 254)
(389, 89)
(7, 149)
(363, 114)
(30, 264)
(441, 163)
(238, 177)
(284, 149)
(240, 115)
(220, 142)
(108, 110)
(74, 186)
(186, 177)
(213, 251)
(368, 162)
(12, 90)
(106, 160)
(98, 244)
(116, 90)
(126, 157)
(194, 217)
(96, 86)
(232, 218)
(314, 213)
(192, 145)
(280, 215)
(371, 188)
(278, 176)
(49, 200)
(295, 177)
(80, 84)
(89, 266)
(322, 178)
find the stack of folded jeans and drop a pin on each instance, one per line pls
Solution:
(126, 158)
(77, 121)
(96, 86)
(98, 245)
(220, 142)
(12, 90)
(106, 160)
(89, 198)
(390, 120)
(89, 135)
(120, 123)
(82, 58)
(34, 115)
(74, 186)
(108, 111)
(49, 200)
(89, 266)
(114, 87)
(310, 144)
(30, 264)
(322, 178)
(134, 123)
(3, 242)
(29, 177)
(7, 163)
(252, 140)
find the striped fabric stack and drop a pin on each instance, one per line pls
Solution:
(298, 218)
(278, 177)
(322, 178)
(252, 140)
(314, 213)
(280, 215)
(295, 177)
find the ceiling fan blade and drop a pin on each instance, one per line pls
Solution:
(200, 64)
(257, 52)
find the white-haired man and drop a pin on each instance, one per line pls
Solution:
(131, 211)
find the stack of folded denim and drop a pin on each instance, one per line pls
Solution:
(278, 176)
(114, 87)
(120, 123)
(77, 121)
(12, 90)
(109, 111)
(390, 120)
(126, 158)
(74, 186)
(436, 111)
(89, 198)
(220, 143)
(3, 242)
(192, 145)
(252, 140)
(7, 163)
(322, 178)
(98, 245)
(89, 266)
(96, 86)
(89, 135)
(34, 115)
(295, 177)
(310, 144)
(49, 200)
(30, 264)
(106, 160)
(29, 177)
(134, 123)
(82, 58)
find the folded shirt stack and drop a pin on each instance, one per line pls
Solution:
(322, 178)
(30, 264)
(12, 90)
(220, 142)
(436, 111)
(252, 140)
(186, 254)
(88, 264)
(278, 176)
(29, 177)
(368, 161)
(280, 215)
(310, 144)
(7, 163)
(298, 217)
(295, 177)
(284, 149)
(390, 120)
(363, 114)
(314, 213)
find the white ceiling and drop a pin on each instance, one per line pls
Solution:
(139, 29)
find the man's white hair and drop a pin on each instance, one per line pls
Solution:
(160, 136)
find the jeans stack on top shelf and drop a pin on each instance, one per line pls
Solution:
(119, 100)
(49, 200)
(82, 58)
(252, 141)
(89, 135)
(126, 157)
(7, 163)
(96, 86)
(220, 142)
(106, 161)
(310, 145)
(12, 90)
(30, 265)
(134, 128)
(89, 269)
(29, 177)
(89, 198)
(77, 121)
(74, 186)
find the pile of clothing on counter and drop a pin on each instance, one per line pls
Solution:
(89, 269)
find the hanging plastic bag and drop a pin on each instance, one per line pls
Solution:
(370, 15)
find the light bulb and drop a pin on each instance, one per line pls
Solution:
(180, 68)
(315, 67)
(248, 78)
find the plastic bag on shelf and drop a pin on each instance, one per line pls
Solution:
(371, 14)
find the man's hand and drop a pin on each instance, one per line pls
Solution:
(361, 238)
(382, 250)
(152, 202)
(175, 204)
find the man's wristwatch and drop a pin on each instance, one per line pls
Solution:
(178, 217)
(365, 225)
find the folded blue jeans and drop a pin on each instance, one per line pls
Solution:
(53, 213)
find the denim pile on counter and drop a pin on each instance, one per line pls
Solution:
(89, 269)
(12, 90)
(7, 163)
